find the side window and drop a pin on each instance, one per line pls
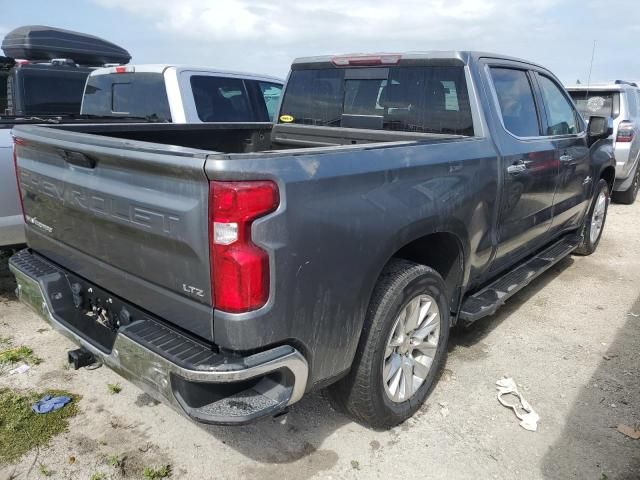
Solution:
(220, 99)
(271, 94)
(517, 105)
(561, 116)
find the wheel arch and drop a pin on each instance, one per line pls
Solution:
(608, 174)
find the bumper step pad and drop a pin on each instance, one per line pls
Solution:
(192, 376)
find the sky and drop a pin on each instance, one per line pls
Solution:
(261, 36)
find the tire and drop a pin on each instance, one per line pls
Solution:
(363, 393)
(591, 238)
(628, 196)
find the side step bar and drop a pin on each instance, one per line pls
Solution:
(487, 300)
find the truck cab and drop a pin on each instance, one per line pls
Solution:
(181, 94)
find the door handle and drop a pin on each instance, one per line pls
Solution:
(566, 158)
(517, 168)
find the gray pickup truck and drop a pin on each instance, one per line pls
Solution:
(227, 269)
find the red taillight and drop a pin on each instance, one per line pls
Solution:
(625, 132)
(365, 60)
(239, 268)
(18, 141)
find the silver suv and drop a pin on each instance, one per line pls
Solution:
(619, 100)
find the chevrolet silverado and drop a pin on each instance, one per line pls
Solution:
(228, 269)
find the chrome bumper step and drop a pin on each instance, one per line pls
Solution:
(171, 366)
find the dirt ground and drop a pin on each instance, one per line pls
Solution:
(571, 341)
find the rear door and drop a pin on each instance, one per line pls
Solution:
(129, 216)
(564, 126)
(528, 164)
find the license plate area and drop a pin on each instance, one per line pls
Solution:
(90, 312)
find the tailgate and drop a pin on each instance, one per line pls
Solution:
(129, 216)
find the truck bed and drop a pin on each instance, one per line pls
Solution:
(254, 137)
(125, 205)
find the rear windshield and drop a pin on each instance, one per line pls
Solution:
(425, 99)
(131, 94)
(50, 92)
(600, 104)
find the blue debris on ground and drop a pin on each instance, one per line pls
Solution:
(49, 404)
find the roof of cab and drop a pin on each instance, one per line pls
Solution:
(599, 87)
(461, 57)
(161, 67)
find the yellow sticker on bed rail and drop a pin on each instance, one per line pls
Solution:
(286, 118)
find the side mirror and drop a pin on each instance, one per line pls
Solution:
(599, 128)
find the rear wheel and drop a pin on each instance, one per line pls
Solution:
(595, 219)
(403, 346)
(629, 196)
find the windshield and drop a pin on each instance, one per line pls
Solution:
(600, 104)
(425, 99)
(50, 92)
(127, 94)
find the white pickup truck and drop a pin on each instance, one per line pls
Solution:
(145, 93)
(181, 94)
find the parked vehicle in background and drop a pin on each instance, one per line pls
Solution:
(42, 79)
(181, 94)
(45, 88)
(227, 269)
(621, 101)
(45, 69)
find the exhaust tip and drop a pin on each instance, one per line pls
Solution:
(80, 358)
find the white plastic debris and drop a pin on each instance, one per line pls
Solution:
(525, 413)
(21, 369)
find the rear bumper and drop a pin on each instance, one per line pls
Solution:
(206, 385)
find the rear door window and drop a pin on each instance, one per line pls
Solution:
(428, 99)
(517, 104)
(221, 99)
(139, 94)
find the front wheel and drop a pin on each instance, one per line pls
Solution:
(403, 346)
(594, 221)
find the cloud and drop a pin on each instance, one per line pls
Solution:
(265, 35)
(277, 22)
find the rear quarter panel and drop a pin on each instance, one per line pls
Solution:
(342, 216)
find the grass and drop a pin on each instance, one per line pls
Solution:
(152, 473)
(19, 354)
(114, 388)
(22, 430)
(117, 462)
(97, 476)
(44, 471)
